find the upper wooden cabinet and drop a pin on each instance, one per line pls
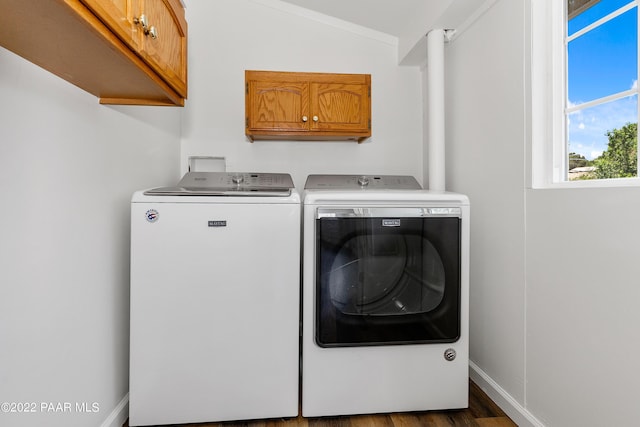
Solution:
(122, 51)
(307, 106)
(155, 29)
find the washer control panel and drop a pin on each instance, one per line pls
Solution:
(229, 184)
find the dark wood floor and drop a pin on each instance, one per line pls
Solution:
(482, 412)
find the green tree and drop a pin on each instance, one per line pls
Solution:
(620, 160)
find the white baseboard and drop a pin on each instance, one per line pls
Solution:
(518, 413)
(119, 415)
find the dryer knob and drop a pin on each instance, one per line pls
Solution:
(237, 179)
(450, 354)
(363, 181)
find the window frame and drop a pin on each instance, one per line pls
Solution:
(549, 110)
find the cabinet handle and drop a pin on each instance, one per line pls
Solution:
(142, 21)
(152, 32)
(305, 118)
(315, 118)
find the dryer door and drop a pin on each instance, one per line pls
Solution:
(387, 276)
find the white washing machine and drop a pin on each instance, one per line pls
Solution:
(215, 285)
(385, 296)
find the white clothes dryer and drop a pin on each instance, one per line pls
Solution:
(385, 296)
(215, 280)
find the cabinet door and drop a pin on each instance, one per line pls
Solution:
(164, 45)
(278, 106)
(340, 107)
(118, 16)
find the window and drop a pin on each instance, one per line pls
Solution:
(585, 92)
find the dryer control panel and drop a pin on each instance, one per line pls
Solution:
(361, 182)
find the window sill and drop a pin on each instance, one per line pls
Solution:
(591, 183)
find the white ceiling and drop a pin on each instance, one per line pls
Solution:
(387, 16)
(408, 21)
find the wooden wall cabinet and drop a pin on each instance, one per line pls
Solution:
(307, 106)
(122, 51)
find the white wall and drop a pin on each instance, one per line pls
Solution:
(554, 273)
(583, 322)
(68, 167)
(485, 158)
(230, 36)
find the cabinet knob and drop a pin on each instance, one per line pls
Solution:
(305, 118)
(315, 118)
(146, 29)
(142, 21)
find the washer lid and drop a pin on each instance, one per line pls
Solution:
(228, 184)
(361, 182)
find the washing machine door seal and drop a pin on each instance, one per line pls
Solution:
(387, 276)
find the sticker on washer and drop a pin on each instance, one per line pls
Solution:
(391, 222)
(152, 215)
(218, 223)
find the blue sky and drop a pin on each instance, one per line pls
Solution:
(600, 63)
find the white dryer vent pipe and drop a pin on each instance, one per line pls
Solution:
(435, 106)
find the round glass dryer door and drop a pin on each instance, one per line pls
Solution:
(386, 274)
(384, 280)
